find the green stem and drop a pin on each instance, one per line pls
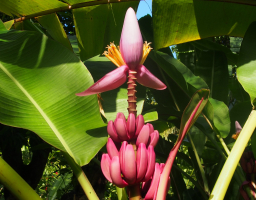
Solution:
(239, 170)
(81, 177)
(223, 144)
(210, 137)
(206, 187)
(13, 182)
(134, 192)
(131, 88)
(230, 165)
(239, 175)
(121, 193)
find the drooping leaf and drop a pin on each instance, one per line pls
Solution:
(218, 115)
(150, 116)
(28, 7)
(185, 79)
(188, 82)
(53, 26)
(212, 67)
(246, 73)
(61, 182)
(186, 54)
(38, 82)
(198, 138)
(166, 105)
(176, 22)
(8, 24)
(97, 26)
(2, 26)
(28, 25)
(187, 119)
(237, 90)
(207, 44)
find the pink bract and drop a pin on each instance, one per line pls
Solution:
(131, 42)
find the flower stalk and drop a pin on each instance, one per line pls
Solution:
(130, 160)
(132, 92)
(230, 165)
(81, 177)
(13, 182)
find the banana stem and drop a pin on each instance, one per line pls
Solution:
(132, 92)
(121, 193)
(206, 188)
(134, 192)
(81, 177)
(13, 182)
(230, 165)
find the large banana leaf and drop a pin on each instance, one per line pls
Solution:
(53, 26)
(178, 21)
(28, 7)
(246, 73)
(212, 67)
(38, 81)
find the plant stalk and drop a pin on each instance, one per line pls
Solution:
(81, 177)
(223, 144)
(121, 193)
(134, 192)
(13, 182)
(132, 92)
(230, 165)
(206, 187)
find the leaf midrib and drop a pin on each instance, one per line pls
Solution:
(40, 110)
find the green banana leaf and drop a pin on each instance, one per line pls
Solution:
(61, 182)
(176, 21)
(246, 73)
(38, 82)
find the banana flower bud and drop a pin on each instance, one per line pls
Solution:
(126, 169)
(130, 56)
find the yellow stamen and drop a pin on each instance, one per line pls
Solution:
(114, 55)
(146, 50)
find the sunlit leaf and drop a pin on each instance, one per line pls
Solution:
(38, 82)
(176, 22)
(53, 26)
(246, 73)
(21, 8)
(217, 114)
(8, 24)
